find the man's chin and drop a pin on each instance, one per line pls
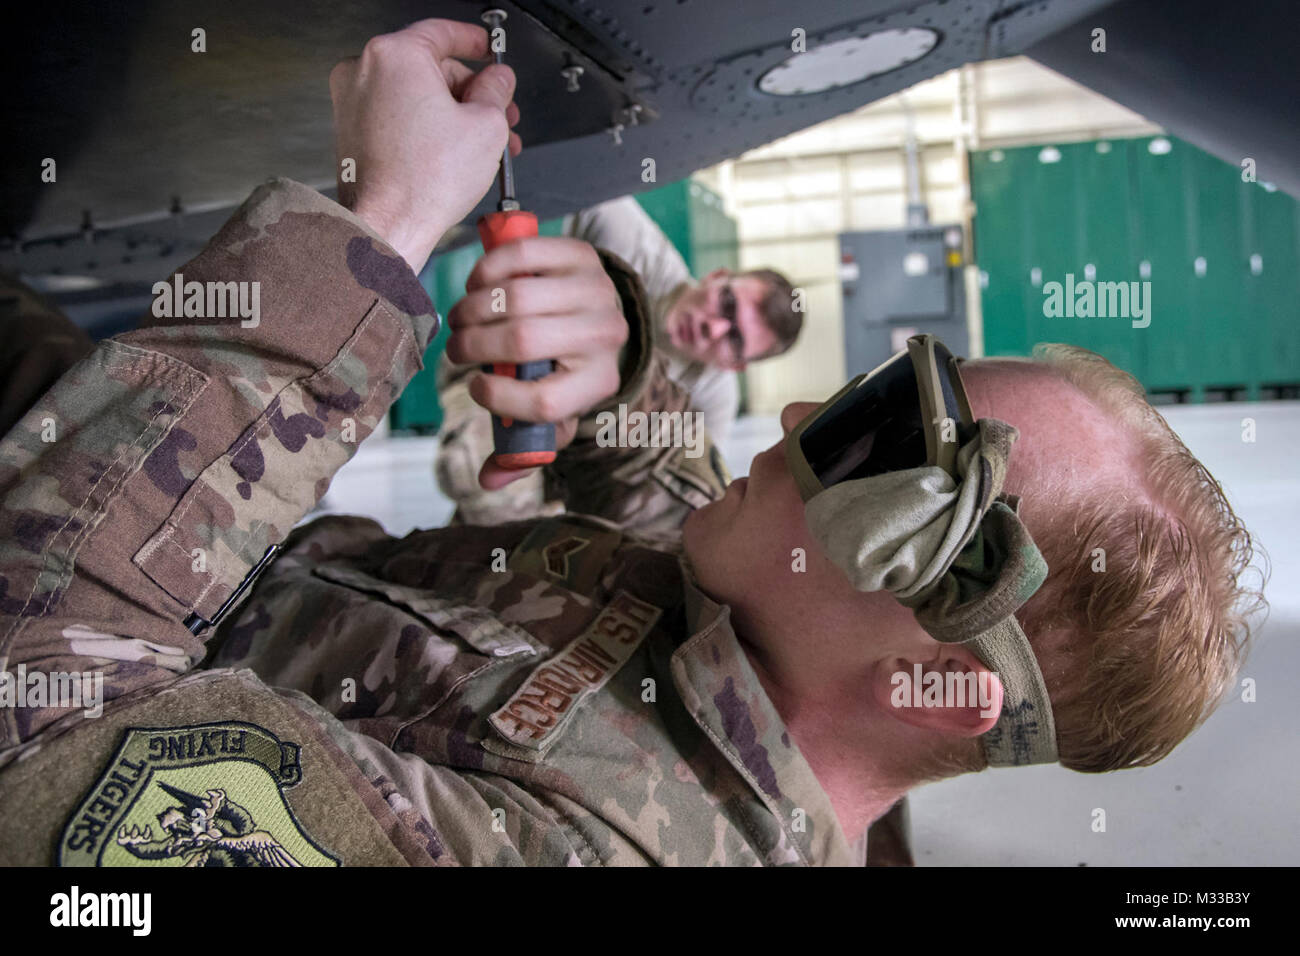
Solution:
(700, 533)
(682, 354)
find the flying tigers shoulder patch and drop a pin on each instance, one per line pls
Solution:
(200, 795)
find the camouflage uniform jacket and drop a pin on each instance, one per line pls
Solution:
(547, 692)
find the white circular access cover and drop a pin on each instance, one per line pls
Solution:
(849, 61)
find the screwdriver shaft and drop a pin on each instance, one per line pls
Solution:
(507, 202)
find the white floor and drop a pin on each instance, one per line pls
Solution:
(1227, 796)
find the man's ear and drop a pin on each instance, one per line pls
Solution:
(718, 273)
(950, 693)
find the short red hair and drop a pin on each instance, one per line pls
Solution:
(1141, 654)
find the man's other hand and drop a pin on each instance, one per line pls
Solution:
(534, 299)
(424, 131)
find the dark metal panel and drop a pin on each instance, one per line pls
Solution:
(139, 124)
(1220, 75)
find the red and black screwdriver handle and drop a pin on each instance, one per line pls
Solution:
(517, 444)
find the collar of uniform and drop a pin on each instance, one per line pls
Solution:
(723, 694)
(661, 305)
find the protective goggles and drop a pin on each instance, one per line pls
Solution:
(908, 412)
(903, 492)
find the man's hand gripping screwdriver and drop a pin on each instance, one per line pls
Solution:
(517, 444)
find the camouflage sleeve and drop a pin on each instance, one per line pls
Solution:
(37, 345)
(643, 460)
(139, 492)
(143, 488)
(624, 228)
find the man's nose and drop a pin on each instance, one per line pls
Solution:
(794, 413)
(715, 327)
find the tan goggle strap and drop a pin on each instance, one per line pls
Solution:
(1026, 731)
(974, 604)
(997, 571)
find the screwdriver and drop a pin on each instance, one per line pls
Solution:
(517, 444)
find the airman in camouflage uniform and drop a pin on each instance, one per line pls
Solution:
(549, 692)
(540, 692)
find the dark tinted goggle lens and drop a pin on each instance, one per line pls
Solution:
(875, 428)
(878, 427)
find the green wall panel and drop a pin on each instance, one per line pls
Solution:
(692, 217)
(1274, 223)
(1163, 188)
(1133, 215)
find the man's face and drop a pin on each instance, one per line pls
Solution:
(742, 546)
(720, 321)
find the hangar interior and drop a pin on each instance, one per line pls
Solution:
(986, 137)
(944, 190)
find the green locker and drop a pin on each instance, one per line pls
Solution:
(1009, 298)
(1053, 243)
(1273, 276)
(1218, 275)
(1085, 239)
(1041, 222)
(1220, 255)
(1104, 197)
(1163, 192)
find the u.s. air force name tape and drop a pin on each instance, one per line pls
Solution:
(536, 714)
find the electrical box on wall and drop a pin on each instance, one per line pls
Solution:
(897, 283)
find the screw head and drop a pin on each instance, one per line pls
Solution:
(571, 74)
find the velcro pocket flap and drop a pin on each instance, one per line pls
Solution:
(249, 498)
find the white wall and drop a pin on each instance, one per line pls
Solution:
(792, 198)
